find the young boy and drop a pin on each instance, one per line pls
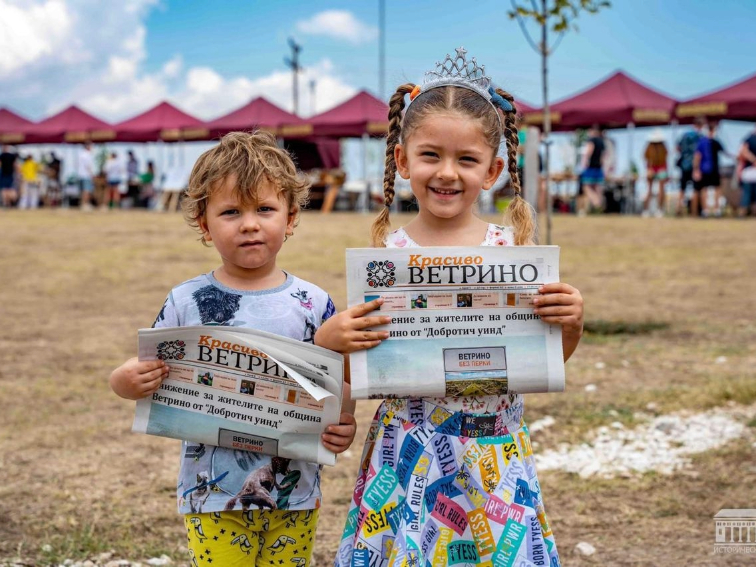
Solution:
(239, 508)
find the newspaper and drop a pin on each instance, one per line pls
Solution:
(462, 321)
(242, 389)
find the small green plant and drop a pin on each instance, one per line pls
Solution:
(601, 327)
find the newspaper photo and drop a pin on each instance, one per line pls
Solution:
(462, 321)
(242, 389)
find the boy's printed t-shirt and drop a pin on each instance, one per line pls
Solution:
(211, 477)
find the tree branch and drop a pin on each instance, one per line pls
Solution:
(525, 32)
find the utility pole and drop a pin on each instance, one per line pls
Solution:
(546, 115)
(293, 64)
(313, 85)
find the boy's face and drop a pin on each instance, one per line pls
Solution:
(247, 237)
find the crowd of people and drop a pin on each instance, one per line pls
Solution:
(698, 154)
(111, 181)
(106, 181)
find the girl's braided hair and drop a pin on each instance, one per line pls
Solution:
(468, 103)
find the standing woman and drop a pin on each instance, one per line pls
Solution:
(656, 170)
(592, 177)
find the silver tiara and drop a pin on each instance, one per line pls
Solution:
(457, 71)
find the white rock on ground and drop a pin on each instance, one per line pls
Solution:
(162, 560)
(585, 548)
(662, 444)
(543, 423)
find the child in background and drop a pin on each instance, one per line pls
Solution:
(29, 184)
(242, 508)
(446, 145)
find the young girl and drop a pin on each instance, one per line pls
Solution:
(241, 508)
(473, 494)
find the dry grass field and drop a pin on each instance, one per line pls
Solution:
(670, 303)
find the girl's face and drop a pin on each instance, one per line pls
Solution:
(448, 163)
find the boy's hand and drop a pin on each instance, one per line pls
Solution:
(562, 304)
(338, 438)
(347, 331)
(134, 380)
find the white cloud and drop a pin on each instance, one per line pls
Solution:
(209, 95)
(29, 33)
(57, 52)
(173, 67)
(339, 24)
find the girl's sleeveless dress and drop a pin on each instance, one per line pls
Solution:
(447, 481)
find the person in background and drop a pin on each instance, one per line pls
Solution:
(592, 176)
(706, 173)
(747, 156)
(132, 179)
(29, 184)
(8, 176)
(147, 186)
(54, 193)
(114, 174)
(686, 148)
(85, 172)
(656, 170)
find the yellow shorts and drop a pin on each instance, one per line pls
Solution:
(265, 538)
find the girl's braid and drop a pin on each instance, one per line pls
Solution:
(396, 106)
(519, 213)
(510, 135)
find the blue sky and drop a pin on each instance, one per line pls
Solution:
(681, 47)
(119, 58)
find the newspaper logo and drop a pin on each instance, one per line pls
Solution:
(381, 273)
(171, 350)
(735, 531)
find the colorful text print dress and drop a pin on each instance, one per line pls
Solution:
(448, 481)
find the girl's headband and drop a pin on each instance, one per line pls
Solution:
(459, 72)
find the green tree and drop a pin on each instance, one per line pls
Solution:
(557, 16)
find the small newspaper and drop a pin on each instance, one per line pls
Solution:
(242, 389)
(462, 321)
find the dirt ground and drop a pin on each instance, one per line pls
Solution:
(74, 288)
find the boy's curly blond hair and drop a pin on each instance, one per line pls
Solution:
(252, 157)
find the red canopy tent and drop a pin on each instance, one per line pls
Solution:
(362, 114)
(162, 122)
(69, 125)
(734, 102)
(13, 127)
(259, 113)
(616, 101)
(524, 108)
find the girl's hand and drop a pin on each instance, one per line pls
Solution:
(347, 331)
(697, 175)
(135, 380)
(562, 304)
(338, 438)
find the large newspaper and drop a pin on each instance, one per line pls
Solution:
(242, 389)
(462, 321)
